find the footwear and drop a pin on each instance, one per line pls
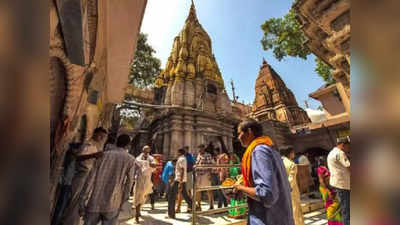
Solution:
(188, 210)
(211, 207)
(152, 207)
(177, 210)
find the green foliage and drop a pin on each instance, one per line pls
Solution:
(285, 38)
(324, 71)
(320, 108)
(145, 66)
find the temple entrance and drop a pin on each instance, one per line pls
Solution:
(213, 142)
(316, 152)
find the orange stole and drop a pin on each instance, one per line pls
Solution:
(246, 160)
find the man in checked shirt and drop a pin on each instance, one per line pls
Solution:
(108, 185)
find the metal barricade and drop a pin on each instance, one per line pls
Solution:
(197, 190)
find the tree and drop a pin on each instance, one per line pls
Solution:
(324, 70)
(285, 37)
(145, 67)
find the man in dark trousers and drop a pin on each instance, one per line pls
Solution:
(179, 184)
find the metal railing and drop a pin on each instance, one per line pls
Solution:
(198, 190)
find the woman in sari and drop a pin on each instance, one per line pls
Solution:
(328, 194)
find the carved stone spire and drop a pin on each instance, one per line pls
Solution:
(273, 100)
(192, 13)
(191, 56)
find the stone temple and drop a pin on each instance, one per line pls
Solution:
(274, 101)
(197, 109)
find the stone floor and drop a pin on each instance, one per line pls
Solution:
(157, 217)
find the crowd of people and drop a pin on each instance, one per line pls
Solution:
(100, 177)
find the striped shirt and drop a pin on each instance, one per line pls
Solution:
(110, 182)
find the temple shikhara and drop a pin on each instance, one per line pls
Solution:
(274, 101)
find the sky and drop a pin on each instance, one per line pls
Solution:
(234, 27)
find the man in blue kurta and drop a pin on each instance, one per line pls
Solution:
(265, 179)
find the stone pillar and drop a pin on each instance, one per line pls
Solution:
(188, 132)
(199, 93)
(189, 94)
(199, 140)
(177, 94)
(166, 144)
(343, 96)
(167, 100)
(176, 135)
(230, 145)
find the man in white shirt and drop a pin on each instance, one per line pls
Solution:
(339, 167)
(179, 184)
(152, 162)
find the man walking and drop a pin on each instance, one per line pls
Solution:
(144, 184)
(85, 159)
(108, 185)
(179, 184)
(339, 166)
(265, 180)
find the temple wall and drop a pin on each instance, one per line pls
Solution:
(186, 129)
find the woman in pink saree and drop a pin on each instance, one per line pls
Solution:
(328, 194)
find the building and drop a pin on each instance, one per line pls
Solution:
(90, 48)
(274, 101)
(326, 23)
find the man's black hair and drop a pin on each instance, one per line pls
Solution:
(253, 125)
(286, 150)
(99, 130)
(123, 140)
(181, 151)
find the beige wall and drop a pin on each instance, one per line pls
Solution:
(124, 17)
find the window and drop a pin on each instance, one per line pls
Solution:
(211, 89)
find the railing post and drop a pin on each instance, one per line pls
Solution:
(194, 198)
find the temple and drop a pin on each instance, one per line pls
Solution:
(274, 101)
(191, 84)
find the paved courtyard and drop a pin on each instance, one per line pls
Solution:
(157, 217)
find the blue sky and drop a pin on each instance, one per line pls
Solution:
(234, 27)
